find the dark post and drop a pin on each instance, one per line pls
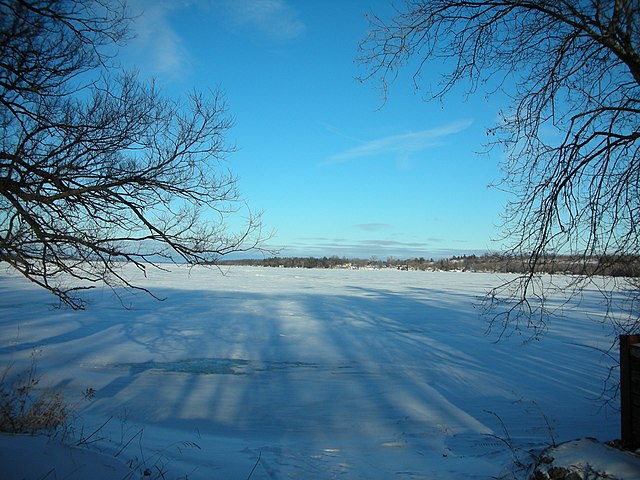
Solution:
(630, 390)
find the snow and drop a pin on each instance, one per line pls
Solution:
(585, 456)
(305, 374)
(38, 457)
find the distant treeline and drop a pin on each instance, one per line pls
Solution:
(627, 266)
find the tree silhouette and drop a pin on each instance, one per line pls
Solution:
(96, 167)
(572, 71)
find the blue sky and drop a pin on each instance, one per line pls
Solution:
(336, 170)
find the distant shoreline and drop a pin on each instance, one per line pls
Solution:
(616, 266)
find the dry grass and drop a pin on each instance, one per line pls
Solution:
(26, 408)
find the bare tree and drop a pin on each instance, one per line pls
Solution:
(96, 167)
(572, 71)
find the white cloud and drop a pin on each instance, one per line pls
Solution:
(156, 48)
(275, 18)
(380, 247)
(400, 145)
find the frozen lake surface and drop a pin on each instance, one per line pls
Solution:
(320, 374)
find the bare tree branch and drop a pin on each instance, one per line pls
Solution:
(572, 70)
(96, 167)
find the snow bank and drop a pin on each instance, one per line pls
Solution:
(587, 459)
(25, 457)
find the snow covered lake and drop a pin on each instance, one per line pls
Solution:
(320, 374)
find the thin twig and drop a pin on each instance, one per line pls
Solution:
(85, 441)
(256, 464)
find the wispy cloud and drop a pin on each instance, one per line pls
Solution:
(275, 18)
(156, 48)
(381, 247)
(400, 145)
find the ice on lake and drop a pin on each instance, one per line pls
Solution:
(319, 373)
